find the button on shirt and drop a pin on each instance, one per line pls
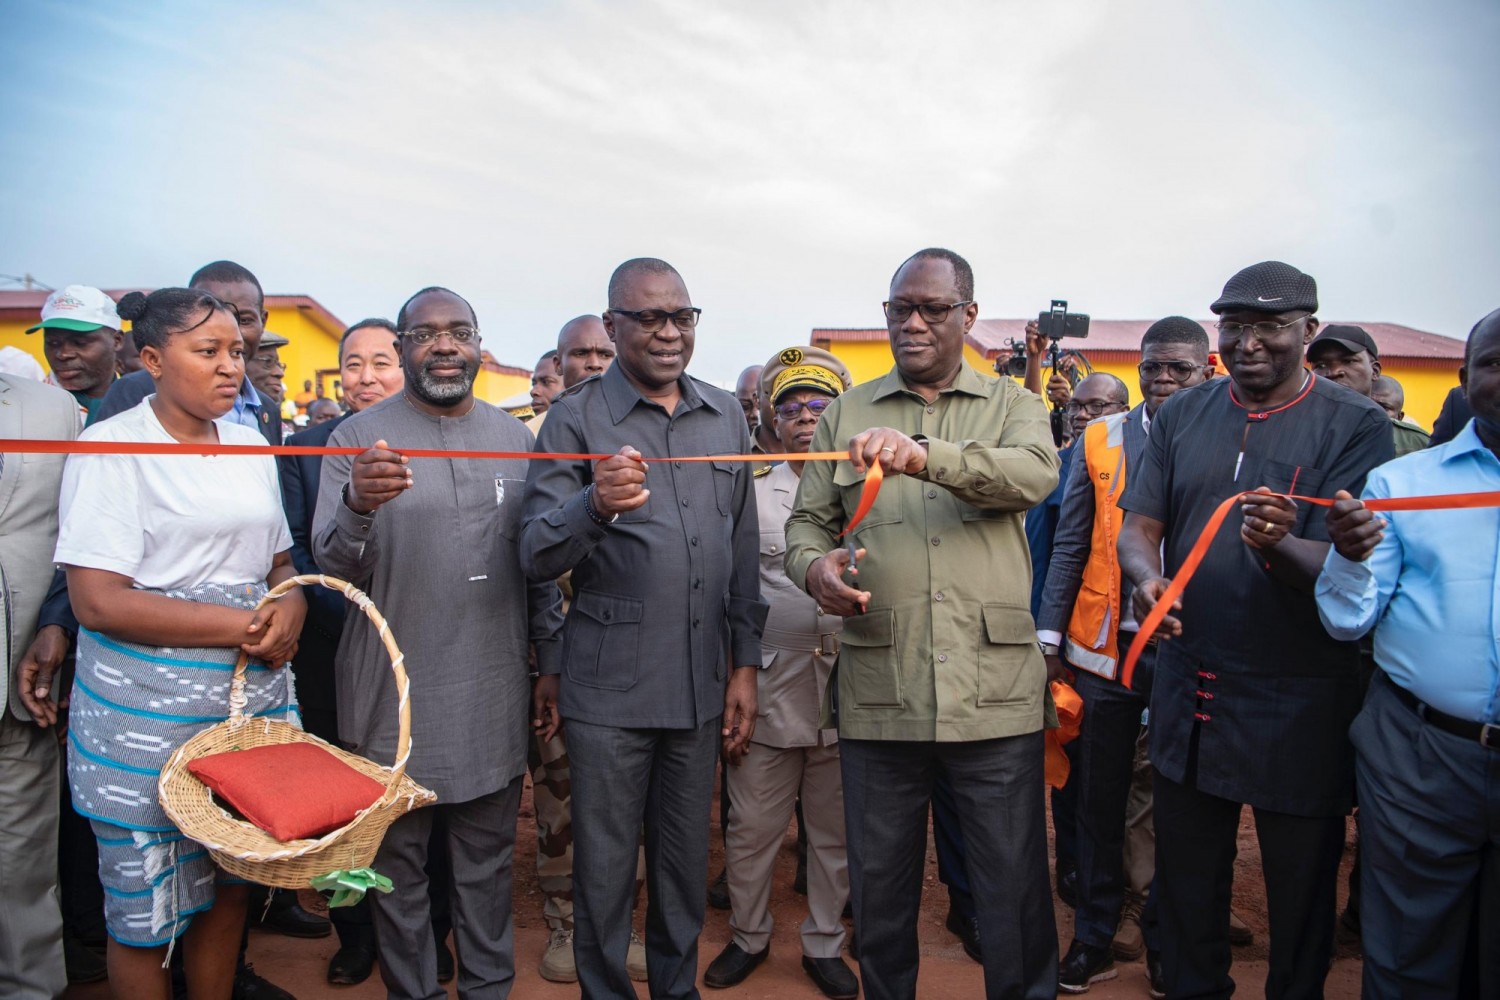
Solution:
(916, 667)
(1430, 583)
(668, 594)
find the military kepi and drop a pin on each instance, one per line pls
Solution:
(803, 368)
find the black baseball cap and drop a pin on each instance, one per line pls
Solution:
(1269, 287)
(1351, 338)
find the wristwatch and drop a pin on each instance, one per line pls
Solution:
(1048, 649)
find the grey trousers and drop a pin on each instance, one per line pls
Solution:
(1429, 833)
(763, 790)
(31, 955)
(623, 778)
(481, 841)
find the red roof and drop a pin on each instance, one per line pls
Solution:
(1120, 340)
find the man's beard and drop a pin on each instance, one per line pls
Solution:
(442, 390)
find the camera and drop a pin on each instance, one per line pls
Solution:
(1015, 365)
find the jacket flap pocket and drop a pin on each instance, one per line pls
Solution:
(873, 628)
(1006, 623)
(607, 609)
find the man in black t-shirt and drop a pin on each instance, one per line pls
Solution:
(1252, 699)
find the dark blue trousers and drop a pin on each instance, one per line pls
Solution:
(997, 792)
(1105, 761)
(1429, 836)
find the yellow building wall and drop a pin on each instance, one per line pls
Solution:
(493, 387)
(312, 355)
(1425, 387)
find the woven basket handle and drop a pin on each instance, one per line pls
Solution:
(362, 601)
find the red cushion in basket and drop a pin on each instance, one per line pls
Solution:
(292, 791)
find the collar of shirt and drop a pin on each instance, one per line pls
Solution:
(1465, 442)
(246, 410)
(968, 381)
(1145, 419)
(622, 397)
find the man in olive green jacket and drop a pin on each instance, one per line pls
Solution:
(939, 667)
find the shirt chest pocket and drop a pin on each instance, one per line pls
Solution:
(887, 508)
(723, 475)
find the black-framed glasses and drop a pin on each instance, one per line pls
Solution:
(1263, 329)
(791, 411)
(423, 336)
(1096, 408)
(932, 312)
(1180, 371)
(652, 320)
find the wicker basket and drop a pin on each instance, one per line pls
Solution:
(247, 851)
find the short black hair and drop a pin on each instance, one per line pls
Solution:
(225, 272)
(1487, 325)
(429, 290)
(1177, 330)
(963, 274)
(365, 324)
(155, 318)
(632, 267)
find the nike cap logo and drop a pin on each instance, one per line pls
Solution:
(1262, 298)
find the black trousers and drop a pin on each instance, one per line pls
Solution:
(1196, 837)
(997, 790)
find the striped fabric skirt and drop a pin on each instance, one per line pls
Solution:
(131, 707)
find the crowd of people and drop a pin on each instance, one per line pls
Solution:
(619, 629)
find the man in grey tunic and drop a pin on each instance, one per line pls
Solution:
(434, 543)
(666, 606)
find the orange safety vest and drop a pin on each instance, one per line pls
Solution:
(1091, 641)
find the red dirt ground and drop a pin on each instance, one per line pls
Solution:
(946, 972)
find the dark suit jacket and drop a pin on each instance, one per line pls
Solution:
(1074, 538)
(1452, 418)
(130, 390)
(313, 664)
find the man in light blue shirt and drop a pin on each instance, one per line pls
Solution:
(1428, 738)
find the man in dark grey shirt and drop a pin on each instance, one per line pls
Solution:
(666, 605)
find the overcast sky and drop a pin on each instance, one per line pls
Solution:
(785, 156)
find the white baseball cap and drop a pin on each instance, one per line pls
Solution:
(78, 307)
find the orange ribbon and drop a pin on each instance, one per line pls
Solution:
(1450, 501)
(873, 476)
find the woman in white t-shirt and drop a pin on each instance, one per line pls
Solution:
(166, 557)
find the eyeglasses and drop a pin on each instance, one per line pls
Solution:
(1094, 409)
(932, 312)
(652, 320)
(1180, 371)
(748, 405)
(1262, 330)
(423, 336)
(790, 411)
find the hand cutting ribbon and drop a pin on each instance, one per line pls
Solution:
(1184, 575)
(349, 885)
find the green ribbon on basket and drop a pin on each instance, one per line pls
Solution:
(349, 885)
